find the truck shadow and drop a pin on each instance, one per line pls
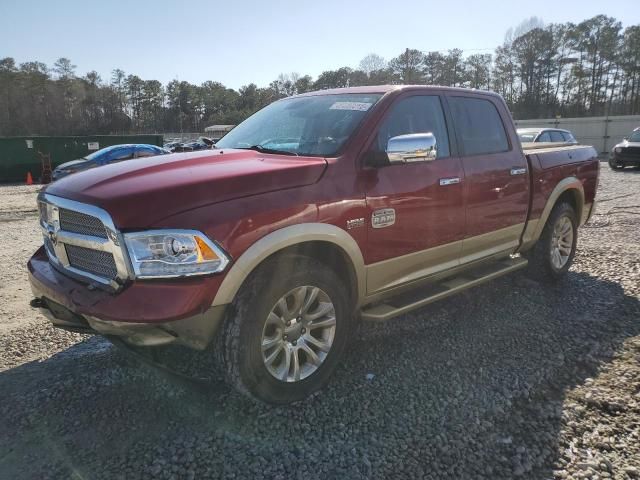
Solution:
(474, 386)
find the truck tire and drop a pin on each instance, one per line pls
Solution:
(553, 253)
(286, 330)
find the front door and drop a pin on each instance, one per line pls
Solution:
(416, 219)
(496, 177)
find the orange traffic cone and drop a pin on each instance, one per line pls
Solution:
(29, 179)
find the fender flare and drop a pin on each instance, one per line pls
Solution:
(285, 237)
(534, 227)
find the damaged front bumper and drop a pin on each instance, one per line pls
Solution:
(72, 306)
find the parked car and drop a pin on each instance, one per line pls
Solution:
(627, 152)
(546, 135)
(105, 156)
(202, 143)
(317, 211)
(171, 145)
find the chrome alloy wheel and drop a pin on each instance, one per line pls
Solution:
(561, 242)
(298, 333)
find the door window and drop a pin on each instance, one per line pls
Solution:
(478, 125)
(544, 137)
(556, 136)
(416, 114)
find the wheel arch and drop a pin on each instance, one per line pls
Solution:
(570, 190)
(318, 240)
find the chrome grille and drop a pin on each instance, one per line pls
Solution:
(42, 208)
(82, 240)
(82, 223)
(92, 261)
(49, 247)
(631, 150)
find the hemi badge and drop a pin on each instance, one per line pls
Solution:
(383, 218)
(355, 223)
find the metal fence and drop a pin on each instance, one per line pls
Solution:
(20, 155)
(601, 132)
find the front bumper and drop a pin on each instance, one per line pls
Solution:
(625, 160)
(142, 314)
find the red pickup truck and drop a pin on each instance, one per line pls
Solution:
(317, 211)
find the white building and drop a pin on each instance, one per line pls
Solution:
(218, 131)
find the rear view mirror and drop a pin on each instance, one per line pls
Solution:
(414, 147)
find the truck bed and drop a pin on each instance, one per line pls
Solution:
(553, 155)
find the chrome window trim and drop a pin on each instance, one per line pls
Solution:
(114, 243)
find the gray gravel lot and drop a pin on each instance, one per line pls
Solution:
(511, 379)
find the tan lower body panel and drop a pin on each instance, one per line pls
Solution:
(588, 210)
(487, 244)
(406, 269)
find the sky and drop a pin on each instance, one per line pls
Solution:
(240, 42)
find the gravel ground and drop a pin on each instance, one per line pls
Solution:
(511, 379)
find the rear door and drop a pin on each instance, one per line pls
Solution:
(415, 210)
(496, 176)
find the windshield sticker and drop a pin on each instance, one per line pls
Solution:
(358, 106)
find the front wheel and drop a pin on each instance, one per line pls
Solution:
(286, 330)
(553, 253)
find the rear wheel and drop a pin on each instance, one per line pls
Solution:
(553, 253)
(286, 330)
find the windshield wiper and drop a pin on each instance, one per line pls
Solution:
(261, 149)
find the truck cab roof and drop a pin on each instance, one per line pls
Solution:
(382, 89)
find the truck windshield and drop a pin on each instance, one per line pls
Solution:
(316, 125)
(635, 136)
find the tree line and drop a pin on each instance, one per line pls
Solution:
(589, 68)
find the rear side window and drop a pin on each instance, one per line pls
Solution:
(557, 136)
(568, 137)
(479, 127)
(416, 114)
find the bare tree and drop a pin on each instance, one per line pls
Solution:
(567, 69)
(523, 27)
(372, 63)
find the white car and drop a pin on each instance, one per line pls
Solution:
(546, 135)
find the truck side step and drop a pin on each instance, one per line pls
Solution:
(406, 302)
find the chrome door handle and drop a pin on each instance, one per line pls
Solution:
(449, 181)
(518, 171)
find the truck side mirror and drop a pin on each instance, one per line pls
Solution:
(414, 147)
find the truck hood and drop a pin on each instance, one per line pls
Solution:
(140, 192)
(626, 144)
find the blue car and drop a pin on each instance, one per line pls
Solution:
(112, 154)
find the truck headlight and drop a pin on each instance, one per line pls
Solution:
(618, 150)
(173, 253)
